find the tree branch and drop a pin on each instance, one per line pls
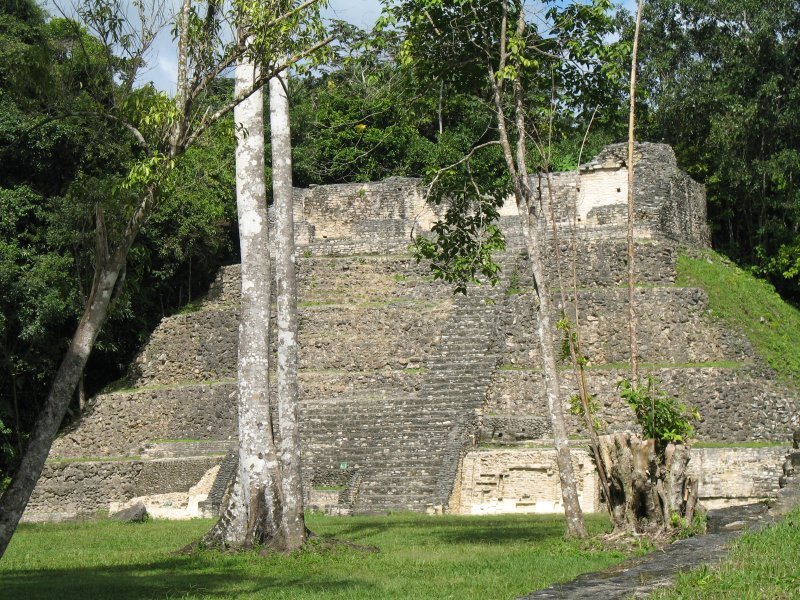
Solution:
(205, 123)
(86, 113)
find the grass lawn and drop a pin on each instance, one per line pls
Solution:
(420, 557)
(751, 305)
(760, 566)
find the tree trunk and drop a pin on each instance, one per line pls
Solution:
(516, 164)
(294, 529)
(569, 485)
(81, 394)
(15, 400)
(634, 345)
(107, 271)
(573, 341)
(648, 484)
(253, 514)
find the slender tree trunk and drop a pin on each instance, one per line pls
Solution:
(17, 433)
(294, 529)
(573, 341)
(634, 345)
(441, 97)
(254, 509)
(81, 394)
(517, 168)
(569, 485)
(107, 273)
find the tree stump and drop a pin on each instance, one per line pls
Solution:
(648, 482)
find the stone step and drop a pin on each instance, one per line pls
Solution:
(376, 503)
(373, 458)
(377, 479)
(347, 413)
(180, 449)
(423, 449)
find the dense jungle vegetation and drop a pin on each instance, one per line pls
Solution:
(718, 82)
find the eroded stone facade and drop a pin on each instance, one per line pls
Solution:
(402, 383)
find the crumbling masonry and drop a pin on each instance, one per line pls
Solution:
(412, 398)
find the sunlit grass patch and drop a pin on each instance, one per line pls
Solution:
(420, 557)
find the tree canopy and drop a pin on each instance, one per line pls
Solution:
(722, 87)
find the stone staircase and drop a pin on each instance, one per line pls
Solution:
(398, 379)
(415, 447)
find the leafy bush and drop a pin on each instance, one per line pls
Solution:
(661, 416)
(576, 408)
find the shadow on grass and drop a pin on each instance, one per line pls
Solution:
(174, 577)
(457, 529)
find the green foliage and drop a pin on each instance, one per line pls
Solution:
(366, 117)
(565, 67)
(450, 557)
(565, 325)
(463, 247)
(662, 417)
(683, 529)
(722, 82)
(576, 408)
(514, 283)
(771, 325)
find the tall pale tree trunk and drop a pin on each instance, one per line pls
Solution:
(293, 523)
(569, 484)
(253, 514)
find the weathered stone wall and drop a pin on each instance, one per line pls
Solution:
(121, 423)
(673, 325)
(72, 489)
(380, 217)
(384, 311)
(357, 218)
(737, 475)
(521, 481)
(667, 201)
(737, 404)
(526, 479)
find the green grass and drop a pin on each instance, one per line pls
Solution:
(750, 304)
(651, 366)
(420, 557)
(81, 459)
(191, 307)
(754, 444)
(760, 565)
(718, 364)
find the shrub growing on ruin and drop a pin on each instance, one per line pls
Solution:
(662, 417)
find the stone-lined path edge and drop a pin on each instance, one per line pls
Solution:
(639, 577)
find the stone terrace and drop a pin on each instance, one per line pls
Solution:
(400, 379)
